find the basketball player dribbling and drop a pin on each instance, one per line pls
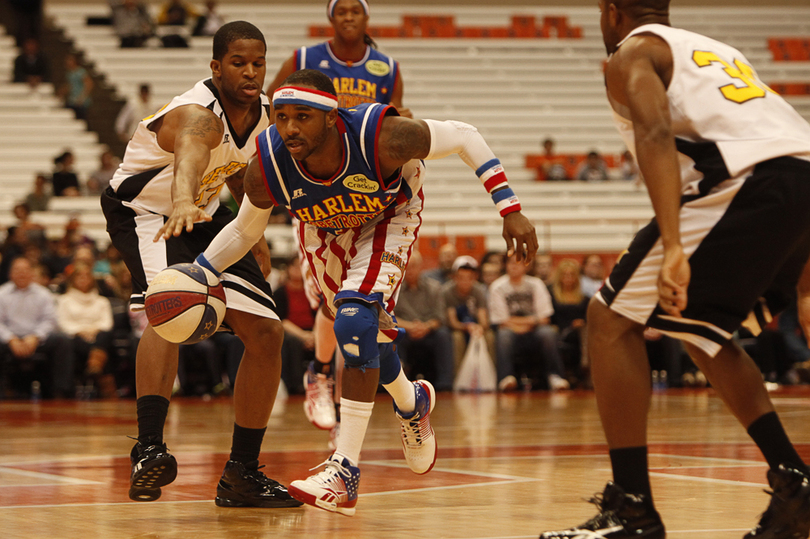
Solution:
(361, 74)
(162, 208)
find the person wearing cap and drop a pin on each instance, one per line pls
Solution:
(426, 347)
(465, 304)
(354, 178)
(360, 74)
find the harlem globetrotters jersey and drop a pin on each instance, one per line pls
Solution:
(371, 80)
(724, 118)
(143, 181)
(357, 193)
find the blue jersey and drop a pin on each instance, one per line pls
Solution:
(371, 80)
(357, 193)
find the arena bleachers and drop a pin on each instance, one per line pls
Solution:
(516, 91)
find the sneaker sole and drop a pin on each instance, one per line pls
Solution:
(347, 509)
(145, 487)
(224, 501)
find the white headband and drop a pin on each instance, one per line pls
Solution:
(330, 10)
(295, 95)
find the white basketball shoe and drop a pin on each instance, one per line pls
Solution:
(418, 438)
(319, 405)
(333, 489)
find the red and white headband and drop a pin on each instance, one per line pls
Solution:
(330, 10)
(296, 95)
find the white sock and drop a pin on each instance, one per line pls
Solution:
(354, 418)
(403, 392)
(324, 337)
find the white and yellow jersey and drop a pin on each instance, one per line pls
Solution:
(143, 180)
(725, 119)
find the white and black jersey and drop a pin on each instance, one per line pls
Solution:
(745, 176)
(139, 201)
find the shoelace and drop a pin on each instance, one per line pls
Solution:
(604, 516)
(412, 431)
(259, 476)
(331, 467)
(324, 395)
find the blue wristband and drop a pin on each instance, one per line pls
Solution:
(202, 261)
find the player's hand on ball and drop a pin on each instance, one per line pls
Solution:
(184, 215)
(520, 236)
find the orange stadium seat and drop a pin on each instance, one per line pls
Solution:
(790, 49)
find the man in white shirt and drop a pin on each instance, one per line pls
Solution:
(520, 306)
(133, 112)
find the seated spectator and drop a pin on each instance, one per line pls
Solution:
(173, 19)
(34, 232)
(593, 274)
(100, 179)
(426, 349)
(570, 310)
(465, 300)
(133, 112)
(489, 272)
(86, 317)
(132, 23)
(629, 168)
(78, 87)
(593, 169)
(298, 319)
(494, 257)
(38, 199)
(520, 307)
(442, 273)
(552, 168)
(31, 342)
(64, 180)
(32, 65)
(544, 268)
(209, 22)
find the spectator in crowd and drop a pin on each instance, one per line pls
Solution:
(544, 268)
(520, 307)
(593, 169)
(133, 112)
(78, 87)
(176, 13)
(489, 272)
(570, 308)
(132, 22)
(447, 255)
(465, 301)
(14, 246)
(593, 274)
(494, 257)
(629, 169)
(29, 332)
(86, 317)
(209, 22)
(32, 65)
(40, 196)
(427, 346)
(298, 319)
(552, 168)
(99, 180)
(64, 180)
(34, 232)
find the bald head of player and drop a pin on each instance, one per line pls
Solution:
(620, 17)
(238, 66)
(306, 129)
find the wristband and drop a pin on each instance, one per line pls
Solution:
(202, 261)
(506, 201)
(492, 175)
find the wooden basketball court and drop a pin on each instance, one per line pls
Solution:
(510, 466)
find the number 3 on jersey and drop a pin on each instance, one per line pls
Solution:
(744, 73)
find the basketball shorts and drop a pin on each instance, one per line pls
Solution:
(311, 289)
(367, 262)
(747, 241)
(132, 231)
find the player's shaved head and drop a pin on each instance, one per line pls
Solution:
(233, 31)
(639, 9)
(311, 78)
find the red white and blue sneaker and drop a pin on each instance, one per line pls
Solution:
(621, 516)
(333, 489)
(418, 438)
(319, 405)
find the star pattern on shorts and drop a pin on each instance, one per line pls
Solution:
(405, 230)
(410, 213)
(392, 280)
(400, 249)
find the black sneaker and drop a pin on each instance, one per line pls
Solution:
(788, 514)
(620, 515)
(152, 467)
(243, 485)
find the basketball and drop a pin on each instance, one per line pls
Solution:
(185, 303)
